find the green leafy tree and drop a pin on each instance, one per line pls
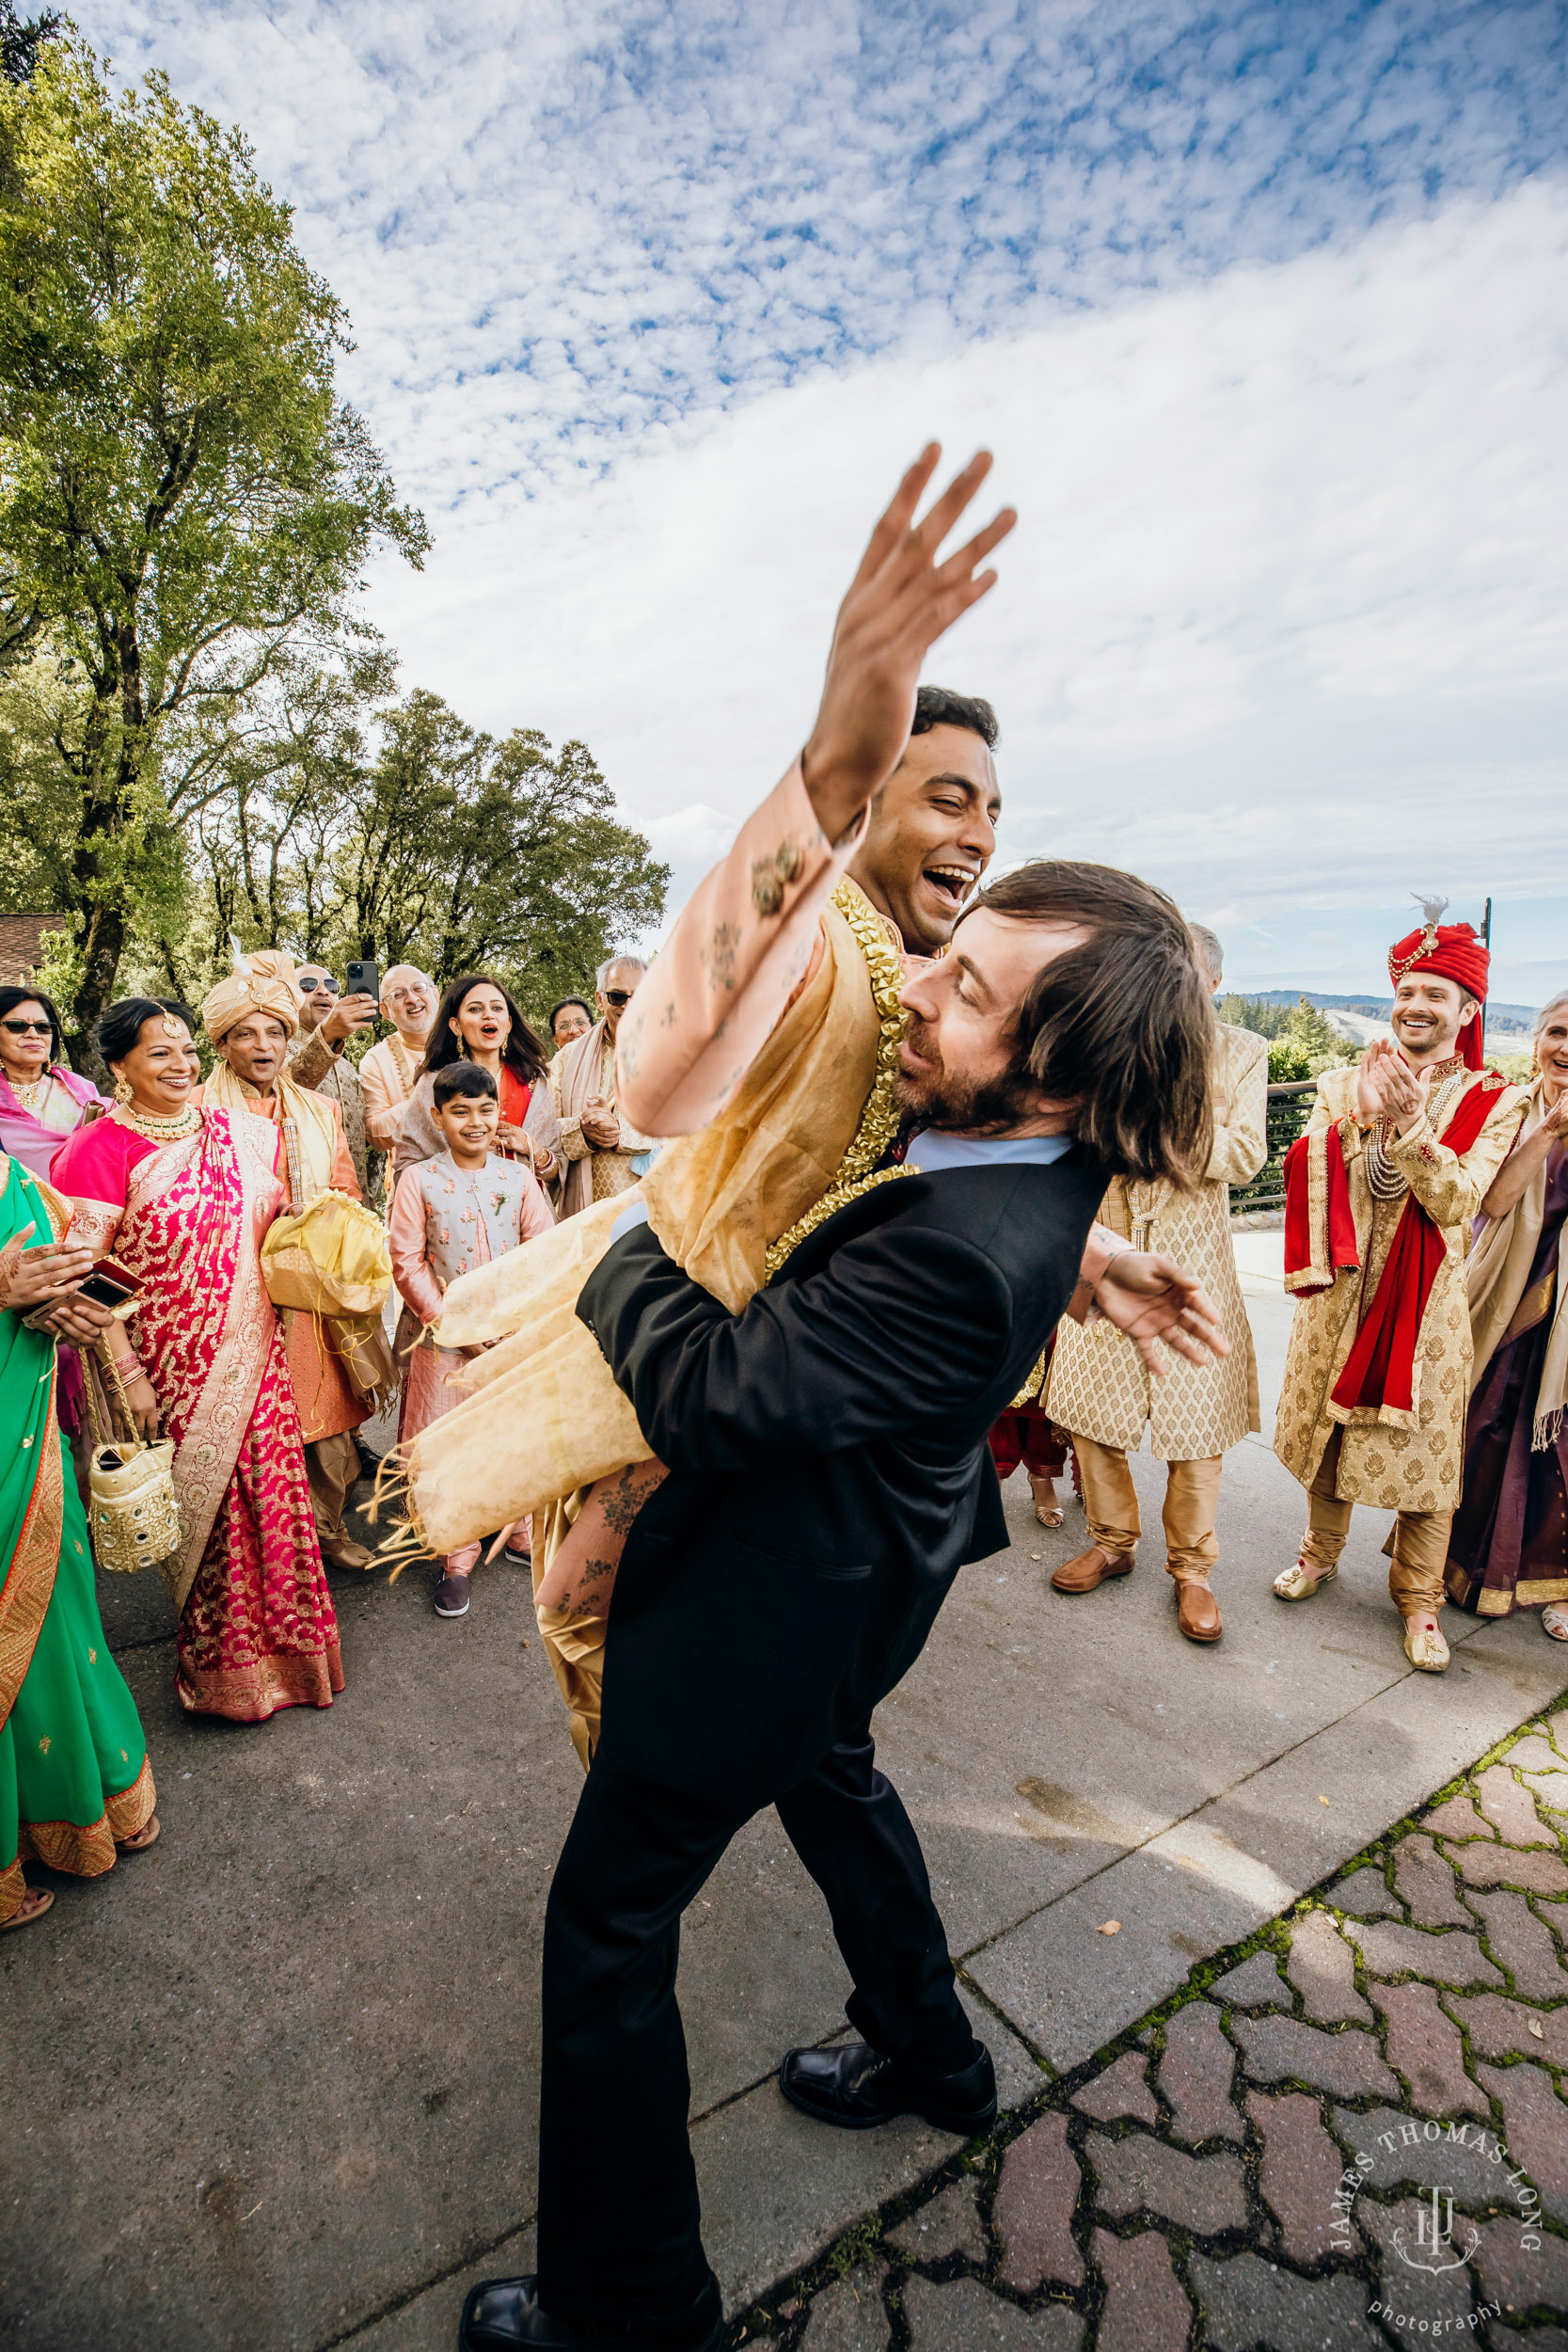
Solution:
(20, 39)
(185, 505)
(441, 847)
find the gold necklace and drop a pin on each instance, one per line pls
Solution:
(174, 1130)
(30, 1096)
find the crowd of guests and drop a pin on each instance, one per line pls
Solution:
(474, 1133)
(1423, 1178)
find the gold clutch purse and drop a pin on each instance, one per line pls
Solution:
(135, 1518)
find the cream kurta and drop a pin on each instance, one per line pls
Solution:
(1393, 1458)
(1099, 1386)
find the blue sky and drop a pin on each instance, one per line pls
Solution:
(1261, 308)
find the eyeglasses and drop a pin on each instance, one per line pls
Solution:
(619, 996)
(330, 986)
(27, 1028)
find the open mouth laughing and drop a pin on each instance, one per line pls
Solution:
(951, 883)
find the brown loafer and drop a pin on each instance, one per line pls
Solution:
(1197, 1613)
(341, 1551)
(1090, 1568)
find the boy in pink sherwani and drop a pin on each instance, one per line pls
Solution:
(450, 1215)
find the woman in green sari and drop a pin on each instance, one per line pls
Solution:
(74, 1781)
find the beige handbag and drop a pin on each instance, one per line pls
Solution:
(135, 1518)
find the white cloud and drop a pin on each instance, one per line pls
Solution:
(1280, 625)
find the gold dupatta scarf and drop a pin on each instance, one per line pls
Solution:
(314, 1125)
(1496, 1278)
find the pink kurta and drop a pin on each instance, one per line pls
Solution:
(444, 1221)
(257, 1628)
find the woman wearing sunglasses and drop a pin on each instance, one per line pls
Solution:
(41, 1101)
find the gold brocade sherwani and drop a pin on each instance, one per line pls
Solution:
(1099, 1385)
(1394, 1458)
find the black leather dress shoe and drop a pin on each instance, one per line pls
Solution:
(856, 2087)
(503, 2315)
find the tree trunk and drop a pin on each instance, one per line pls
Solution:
(102, 949)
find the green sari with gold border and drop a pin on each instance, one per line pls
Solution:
(73, 1770)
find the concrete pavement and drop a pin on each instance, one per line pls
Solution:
(273, 2084)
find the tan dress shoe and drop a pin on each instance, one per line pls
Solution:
(1197, 1613)
(341, 1551)
(1090, 1568)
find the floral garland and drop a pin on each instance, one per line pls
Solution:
(858, 1171)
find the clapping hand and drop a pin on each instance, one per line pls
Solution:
(600, 1126)
(1157, 1302)
(1388, 1087)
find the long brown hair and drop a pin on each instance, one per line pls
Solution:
(1121, 1026)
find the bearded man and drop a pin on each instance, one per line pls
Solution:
(250, 1019)
(828, 1475)
(1380, 1195)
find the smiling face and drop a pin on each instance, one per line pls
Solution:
(408, 1000)
(1551, 1054)
(931, 834)
(319, 992)
(256, 1049)
(571, 1022)
(468, 1122)
(25, 1041)
(620, 987)
(1429, 1014)
(956, 1065)
(159, 1068)
(482, 1024)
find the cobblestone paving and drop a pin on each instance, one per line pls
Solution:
(1349, 2131)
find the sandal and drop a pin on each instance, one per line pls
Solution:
(139, 1840)
(1049, 1514)
(37, 1900)
(1554, 1622)
(1296, 1585)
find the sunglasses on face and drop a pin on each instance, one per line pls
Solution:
(329, 985)
(618, 995)
(27, 1028)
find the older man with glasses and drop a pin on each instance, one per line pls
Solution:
(328, 1019)
(597, 1142)
(390, 1070)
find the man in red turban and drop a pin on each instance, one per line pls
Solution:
(1380, 1194)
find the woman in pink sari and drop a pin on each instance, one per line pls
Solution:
(184, 1197)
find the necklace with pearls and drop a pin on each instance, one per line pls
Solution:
(156, 1130)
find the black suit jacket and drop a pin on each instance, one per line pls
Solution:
(836, 1429)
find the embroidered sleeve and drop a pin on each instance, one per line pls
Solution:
(573, 1144)
(1451, 1185)
(96, 1223)
(314, 1062)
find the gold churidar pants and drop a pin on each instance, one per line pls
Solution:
(332, 1467)
(1418, 1551)
(1111, 1507)
(572, 1643)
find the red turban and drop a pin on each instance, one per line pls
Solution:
(1454, 950)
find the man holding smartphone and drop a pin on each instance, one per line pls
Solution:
(328, 1019)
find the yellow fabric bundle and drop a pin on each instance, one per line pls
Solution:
(330, 1258)
(545, 1416)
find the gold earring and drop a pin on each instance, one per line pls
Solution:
(123, 1092)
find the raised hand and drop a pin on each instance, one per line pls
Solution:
(1158, 1303)
(901, 602)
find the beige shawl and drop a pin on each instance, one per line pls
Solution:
(1495, 1280)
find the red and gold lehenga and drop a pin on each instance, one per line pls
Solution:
(257, 1628)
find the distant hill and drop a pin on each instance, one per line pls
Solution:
(1501, 1020)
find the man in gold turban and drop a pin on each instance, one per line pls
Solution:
(250, 1018)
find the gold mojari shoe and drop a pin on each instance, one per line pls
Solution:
(1427, 1651)
(1296, 1585)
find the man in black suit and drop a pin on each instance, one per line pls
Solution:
(828, 1477)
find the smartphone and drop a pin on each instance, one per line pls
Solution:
(109, 1288)
(364, 980)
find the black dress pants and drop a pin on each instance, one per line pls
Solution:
(619, 2224)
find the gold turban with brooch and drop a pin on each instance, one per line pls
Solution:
(263, 981)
